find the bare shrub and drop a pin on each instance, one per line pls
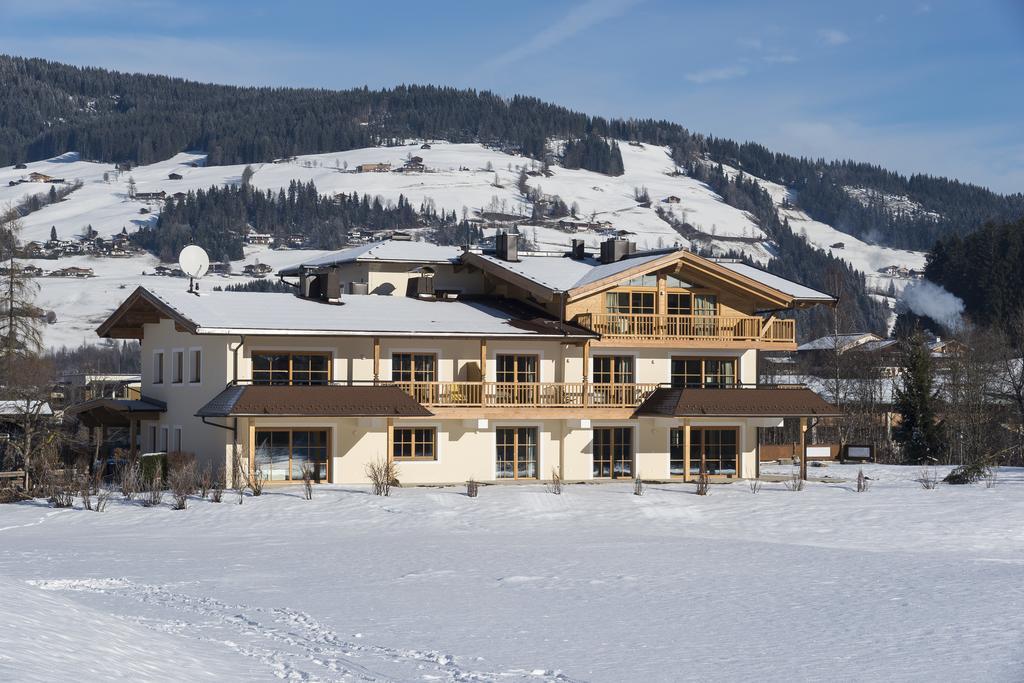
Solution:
(182, 482)
(102, 498)
(638, 485)
(472, 488)
(555, 486)
(62, 490)
(256, 480)
(85, 491)
(795, 482)
(703, 484)
(755, 485)
(862, 482)
(990, 478)
(383, 474)
(153, 494)
(217, 487)
(307, 481)
(129, 478)
(205, 481)
(929, 478)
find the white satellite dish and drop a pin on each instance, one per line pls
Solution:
(194, 262)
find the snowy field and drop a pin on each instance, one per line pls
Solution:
(899, 583)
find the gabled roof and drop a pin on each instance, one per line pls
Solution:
(312, 401)
(356, 316)
(844, 342)
(386, 251)
(581, 277)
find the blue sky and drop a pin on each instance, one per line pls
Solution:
(918, 86)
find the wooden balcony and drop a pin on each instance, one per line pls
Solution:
(528, 395)
(708, 330)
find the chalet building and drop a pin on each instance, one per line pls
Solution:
(497, 364)
(258, 269)
(37, 177)
(150, 196)
(72, 271)
(373, 168)
(174, 176)
(672, 199)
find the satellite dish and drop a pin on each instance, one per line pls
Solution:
(194, 262)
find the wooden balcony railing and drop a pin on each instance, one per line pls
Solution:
(527, 395)
(714, 328)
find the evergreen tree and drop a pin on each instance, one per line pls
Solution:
(916, 398)
(20, 334)
(53, 233)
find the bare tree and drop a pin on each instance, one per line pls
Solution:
(383, 474)
(20, 327)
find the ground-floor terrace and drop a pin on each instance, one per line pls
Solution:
(278, 432)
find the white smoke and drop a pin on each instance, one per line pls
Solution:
(929, 299)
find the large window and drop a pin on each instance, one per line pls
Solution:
(631, 302)
(704, 372)
(281, 454)
(517, 377)
(718, 446)
(291, 368)
(177, 367)
(614, 379)
(195, 366)
(418, 371)
(419, 443)
(613, 452)
(516, 455)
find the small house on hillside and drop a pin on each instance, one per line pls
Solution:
(257, 269)
(425, 146)
(150, 196)
(72, 271)
(174, 176)
(20, 167)
(37, 177)
(838, 245)
(672, 199)
(373, 168)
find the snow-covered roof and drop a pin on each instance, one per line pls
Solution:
(356, 315)
(562, 273)
(10, 408)
(843, 341)
(793, 289)
(386, 251)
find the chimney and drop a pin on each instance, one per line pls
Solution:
(332, 290)
(615, 249)
(507, 247)
(578, 252)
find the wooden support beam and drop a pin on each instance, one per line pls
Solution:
(133, 432)
(391, 439)
(586, 373)
(376, 359)
(483, 359)
(803, 448)
(686, 450)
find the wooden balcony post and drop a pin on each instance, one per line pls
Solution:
(376, 359)
(483, 359)
(586, 373)
(686, 450)
(391, 440)
(803, 448)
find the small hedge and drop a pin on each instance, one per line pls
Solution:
(163, 464)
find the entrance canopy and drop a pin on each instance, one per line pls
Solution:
(312, 401)
(116, 412)
(767, 401)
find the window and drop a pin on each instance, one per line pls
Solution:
(718, 446)
(419, 371)
(517, 377)
(614, 379)
(177, 367)
(291, 368)
(158, 367)
(195, 366)
(704, 372)
(153, 445)
(419, 443)
(163, 439)
(177, 439)
(613, 452)
(281, 454)
(631, 303)
(516, 453)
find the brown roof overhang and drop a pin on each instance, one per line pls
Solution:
(769, 401)
(312, 401)
(116, 412)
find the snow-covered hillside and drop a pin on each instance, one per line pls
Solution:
(468, 179)
(895, 584)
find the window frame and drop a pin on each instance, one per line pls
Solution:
(195, 365)
(515, 445)
(614, 443)
(158, 367)
(413, 442)
(691, 467)
(328, 457)
(703, 360)
(329, 371)
(177, 366)
(413, 366)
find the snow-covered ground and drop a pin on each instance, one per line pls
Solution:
(899, 583)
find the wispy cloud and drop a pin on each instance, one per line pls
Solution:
(722, 73)
(577, 20)
(922, 8)
(781, 58)
(833, 36)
